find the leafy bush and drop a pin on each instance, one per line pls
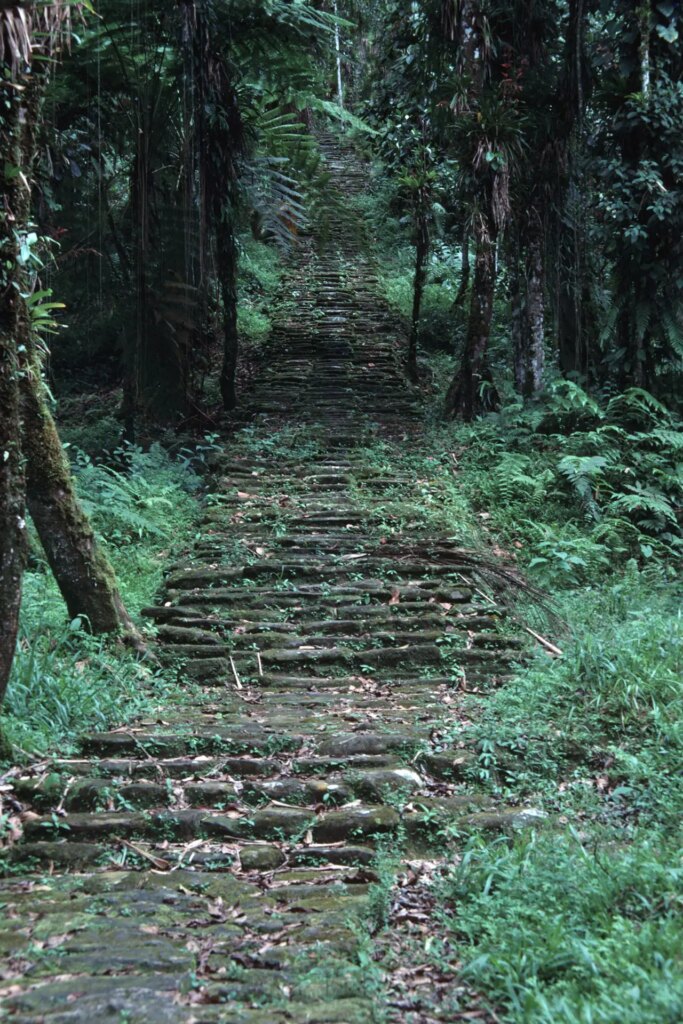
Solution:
(606, 477)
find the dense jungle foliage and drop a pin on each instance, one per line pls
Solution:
(525, 209)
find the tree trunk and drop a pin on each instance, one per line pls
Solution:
(13, 326)
(535, 313)
(83, 574)
(338, 49)
(421, 254)
(135, 353)
(219, 140)
(467, 395)
(571, 327)
(12, 484)
(227, 274)
(518, 327)
(464, 269)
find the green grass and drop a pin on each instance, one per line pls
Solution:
(563, 929)
(260, 279)
(600, 730)
(64, 681)
(580, 923)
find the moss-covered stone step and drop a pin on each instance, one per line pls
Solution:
(204, 864)
(247, 739)
(280, 823)
(200, 766)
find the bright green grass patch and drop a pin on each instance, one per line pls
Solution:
(558, 930)
(427, 496)
(63, 680)
(260, 279)
(599, 731)
(581, 923)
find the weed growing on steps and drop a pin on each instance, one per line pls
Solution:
(574, 928)
(65, 681)
(385, 865)
(580, 923)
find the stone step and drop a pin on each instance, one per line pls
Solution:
(213, 861)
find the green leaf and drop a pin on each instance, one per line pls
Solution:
(669, 33)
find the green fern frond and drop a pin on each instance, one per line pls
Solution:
(647, 501)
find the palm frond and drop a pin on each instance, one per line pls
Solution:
(25, 30)
(276, 198)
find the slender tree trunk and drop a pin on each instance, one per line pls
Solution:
(571, 101)
(227, 273)
(129, 403)
(83, 574)
(12, 484)
(517, 322)
(219, 142)
(571, 327)
(421, 254)
(645, 19)
(12, 328)
(535, 312)
(338, 49)
(136, 351)
(468, 396)
(464, 268)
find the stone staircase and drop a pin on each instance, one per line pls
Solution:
(216, 864)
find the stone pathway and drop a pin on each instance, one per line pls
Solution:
(220, 864)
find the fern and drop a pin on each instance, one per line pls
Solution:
(582, 473)
(648, 502)
(638, 404)
(568, 398)
(669, 439)
(123, 505)
(512, 480)
(673, 332)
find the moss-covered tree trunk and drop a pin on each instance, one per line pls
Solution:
(83, 574)
(528, 311)
(12, 325)
(535, 285)
(12, 527)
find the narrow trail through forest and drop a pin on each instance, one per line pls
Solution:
(218, 864)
